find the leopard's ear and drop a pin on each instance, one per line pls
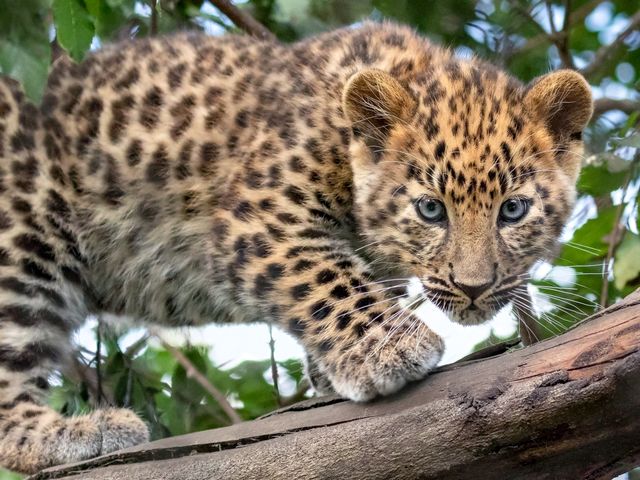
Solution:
(374, 102)
(562, 100)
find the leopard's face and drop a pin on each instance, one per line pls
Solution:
(470, 184)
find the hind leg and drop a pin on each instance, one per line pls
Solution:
(37, 316)
(32, 435)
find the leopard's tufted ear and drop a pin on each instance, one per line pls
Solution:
(561, 99)
(374, 102)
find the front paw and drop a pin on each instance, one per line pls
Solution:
(317, 377)
(383, 360)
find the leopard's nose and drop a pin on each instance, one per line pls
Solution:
(473, 291)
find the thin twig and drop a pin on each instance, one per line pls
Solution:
(243, 20)
(552, 24)
(605, 53)
(136, 346)
(99, 359)
(614, 240)
(153, 27)
(80, 372)
(126, 401)
(527, 13)
(274, 366)
(193, 372)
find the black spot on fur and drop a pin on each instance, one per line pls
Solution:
(296, 327)
(301, 291)
(364, 303)
(294, 194)
(5, 257)
(24, 174)
(320, 310)
(275, 270)
(302, 265)
(32, 244)
(344, 319)
(32, 355)
(35, 270)
(288, 218)
(243, 210)
(262, 285)
(261, 246)
(151, 107)
(340, 292)
(209, 153)
(5, 220)
(326, 276)
(28, 317)
(158, 168)
(134, 153)
(57, 205)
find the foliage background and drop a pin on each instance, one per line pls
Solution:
(600, 260)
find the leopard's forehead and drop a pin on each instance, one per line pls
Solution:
(472, 141)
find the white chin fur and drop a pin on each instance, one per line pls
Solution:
(431, 316)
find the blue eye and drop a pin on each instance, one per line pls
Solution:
(513, 210)
(431, 210)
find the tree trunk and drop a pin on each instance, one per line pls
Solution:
(565, 408)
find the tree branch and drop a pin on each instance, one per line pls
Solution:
(576, 16)
(193, 372)
(602, 105)
(615, 237)
(243, 20)
(567, 407)
(562, 43)
(153, 25)
(605, 53)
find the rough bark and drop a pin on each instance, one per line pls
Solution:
(568, 407)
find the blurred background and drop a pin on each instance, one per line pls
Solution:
(189, 380)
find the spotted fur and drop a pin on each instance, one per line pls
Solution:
(187, 179)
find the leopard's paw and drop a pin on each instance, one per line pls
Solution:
(317, 378)
(120, 428)
(382, 362)
(37, 437)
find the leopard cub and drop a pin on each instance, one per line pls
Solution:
(189, 179)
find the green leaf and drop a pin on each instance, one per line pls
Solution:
(252, 389)
(109, 18)
(186, 385)
(24, 44)
(294, 368)
(74, 27)
(7, 475)
(157, 361)
(627, 262)
(601, 179)
(589, 242)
